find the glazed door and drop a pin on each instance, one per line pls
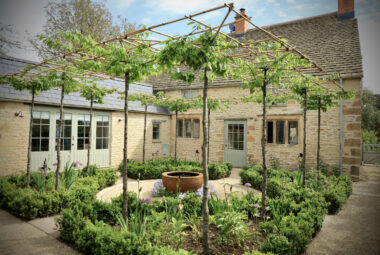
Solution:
(235, 145)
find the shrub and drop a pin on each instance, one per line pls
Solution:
(274, 188)
(192, 204)
(337, 193)
(276, 243)
(274, 162)
(252, 177)
(29, 203)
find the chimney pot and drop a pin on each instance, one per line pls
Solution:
(346, 9)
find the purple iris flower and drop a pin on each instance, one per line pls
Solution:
(256, 205)
(146, 201)
(301, 155)
(197, 151)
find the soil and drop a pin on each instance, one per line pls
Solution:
(216, 247)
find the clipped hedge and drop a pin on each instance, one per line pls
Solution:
(299, 211)
(153, 169)
(28, 203)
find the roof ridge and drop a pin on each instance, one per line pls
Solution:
(294, 21)
(18, 59)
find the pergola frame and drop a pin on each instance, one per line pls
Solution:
(132, 41)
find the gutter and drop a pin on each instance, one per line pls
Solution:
(341, 130)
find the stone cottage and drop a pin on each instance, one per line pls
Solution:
(330, 40)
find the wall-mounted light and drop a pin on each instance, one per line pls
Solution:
(19, 114)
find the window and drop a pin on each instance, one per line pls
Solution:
(188, 128)
(189, 94)
(102, 132)
(156, 132)
(179, 128)
(293, 132)
(65, 132)
(236, 136)
(280, 132)
(83, 131)
(276, 132)
(270, 132)
(40, 131)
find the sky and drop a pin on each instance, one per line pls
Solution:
(27, 18)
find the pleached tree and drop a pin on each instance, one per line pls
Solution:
(205, 57)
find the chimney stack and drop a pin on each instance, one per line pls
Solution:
(346, 9)
(241, 25)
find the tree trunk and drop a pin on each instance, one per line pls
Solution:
(176, 135)
(59, 139)
(144, 140)
(90, 136)
(208, 134)
(319, 135)
(304, 140)
(125, 156)
(30, 141)
(205, 211)
(263, 145)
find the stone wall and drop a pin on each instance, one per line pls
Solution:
(135, 136)
(14, 133)
(287, 153)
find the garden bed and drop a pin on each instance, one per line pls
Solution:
(42, 200)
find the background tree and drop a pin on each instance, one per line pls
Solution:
(35, 86)
(94, 94)
(86, 16)
(205, 56)
(370, 111)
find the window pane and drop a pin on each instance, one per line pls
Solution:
(86, 143)
(179, 128)
(67, 131)
(36, 115)
(80, 144)
(196, 128)
(98, 143)
(87, 131)
(80, 131)
(35, 144)
(270, 131)
(188, 128)
(45, 115)
(66, 144)
(44, 144)
(280, 132)
(45, 131)
(98, 131)
(36, 130)
(45, 121)
(105, 132)
(293, 132)
(105, 143)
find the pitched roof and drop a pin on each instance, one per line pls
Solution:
(52, 97)
(334, 45)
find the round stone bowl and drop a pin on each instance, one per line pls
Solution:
(187, 181)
